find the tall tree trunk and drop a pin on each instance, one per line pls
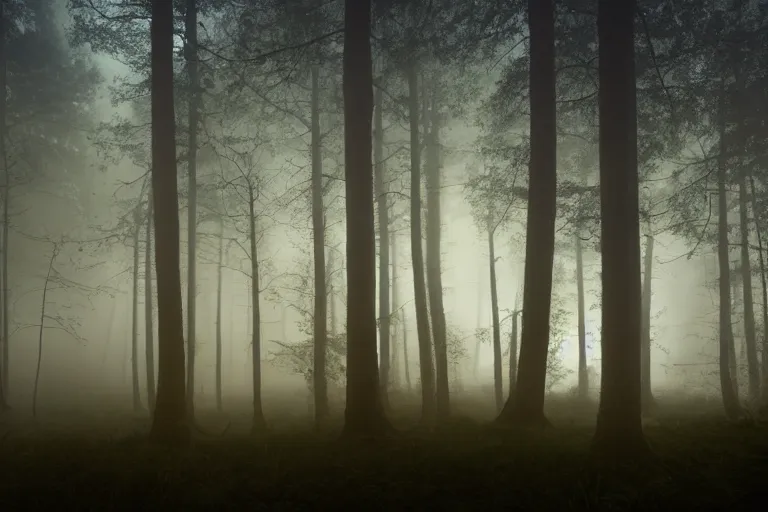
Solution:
(750, 336)
(401, 314)
(729, 392)
(219, 286)
(364, 413)
(190, 51)
(258, 424)
(381, 201)
(764, 287)
(320, 319)
(419, 285)
(4, 378)
(169, 423)
(329, 277)
(733, 360)
(498, 386)
(583, 375)
(479, 324)
(434, 271)
(619, 430)
(513, 353)
(528, 404)
(149, 333)
(645, 361)
(394, 365)
(137, 407)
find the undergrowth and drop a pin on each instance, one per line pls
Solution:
(702, 463)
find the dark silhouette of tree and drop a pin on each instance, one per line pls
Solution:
(169, 423)
(619, 429)
(364, 414)
(527, 405)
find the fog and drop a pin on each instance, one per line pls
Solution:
(81, 203)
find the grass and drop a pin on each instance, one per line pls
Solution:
(703, 463)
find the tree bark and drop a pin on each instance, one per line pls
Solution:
(190, 52)
(320, 318)
(619, 431)
(219, 287)
(381, 201)
(645, 361)
(258, 424)
(434, 271)
(750, 336)
(729, 393)
(498, 386)
(149, 336)
(528, 405)
(580, 304)
(364, 414)
(137, 407)
(169, 423)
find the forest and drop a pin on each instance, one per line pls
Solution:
(399, 254)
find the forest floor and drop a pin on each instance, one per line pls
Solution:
(703, 463)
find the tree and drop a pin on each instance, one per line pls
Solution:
(619, 430)
(149, 339)
(191, 55)
(527, 407)
(434, 271)
(169, 423)
(420, 292)
(364, 414)
(383, 222)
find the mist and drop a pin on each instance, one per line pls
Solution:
(497, 136)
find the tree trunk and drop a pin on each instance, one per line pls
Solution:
(764, 286)
(190, 52)
(400, 314)
(434, 271)
(729, 392)
(364, 414)
(581, 307)
(513, 354)
(419, 286)
(750, 337)
(619, 430)
(54, 253)
(332, 291)
(137, 407)
(528, 405)
(149, 336)
(169, 423)
(259, 424)
(479, 324)
(219, 286)
(320, 319)
(498, 386)
(733, 360)
(645, 361)
(394, 365)
(381, 201)
(4, 370)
